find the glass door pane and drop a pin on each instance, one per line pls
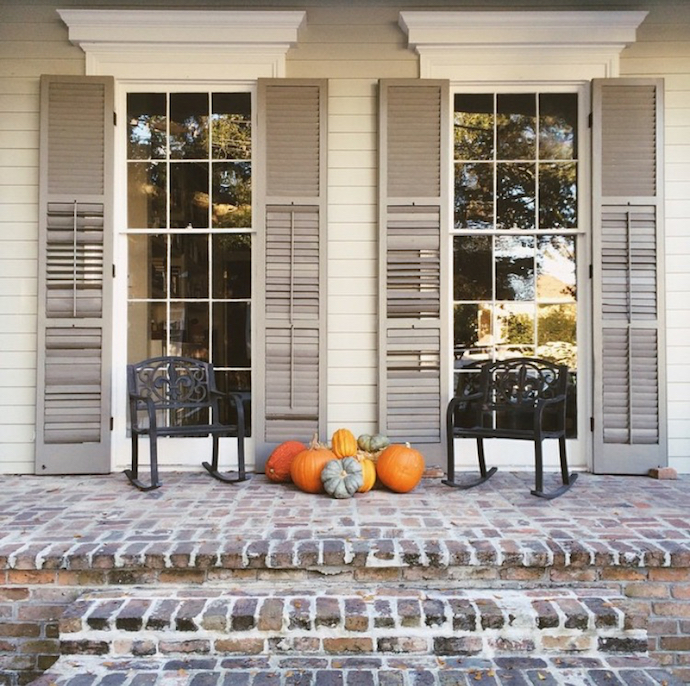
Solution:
(189, 282)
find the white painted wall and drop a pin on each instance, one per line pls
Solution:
(353, 47)
(663, 50)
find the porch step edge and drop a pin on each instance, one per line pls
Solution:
(356, 671)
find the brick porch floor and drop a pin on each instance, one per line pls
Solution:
(63, 537)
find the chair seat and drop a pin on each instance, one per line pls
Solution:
(191, 430)
(519, 434)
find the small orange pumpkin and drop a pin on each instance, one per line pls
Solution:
(306, 466)
(400, 467)
(279, 463)
(369, 474)
(344, 443)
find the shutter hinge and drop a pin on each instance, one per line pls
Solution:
(113, 271)
(114, 118)
(591, 424)
(112, 423)
(589, 120)
(591, 271)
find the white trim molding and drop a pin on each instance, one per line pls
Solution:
(521, 46)
(184, 44)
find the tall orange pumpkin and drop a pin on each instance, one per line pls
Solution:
(280, 461)
(307, 465)
(344, 443)
(400, 467)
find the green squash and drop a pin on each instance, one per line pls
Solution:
(342, 478)
(372, 444)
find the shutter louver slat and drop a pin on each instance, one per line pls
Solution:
(413, 135)
(76, 132)
(414, 155)
(628, 240)
(292, 319)
(75, 256)
(73, 385)
(293, 141)
(627, 114)
(413, 362)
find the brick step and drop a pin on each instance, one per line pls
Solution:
(552, 670)
(337, 621)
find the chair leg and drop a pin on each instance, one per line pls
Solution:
(564, 460)
(484, 474)
(241, 470)
(212, 468)
(568, 479)
(133, 473)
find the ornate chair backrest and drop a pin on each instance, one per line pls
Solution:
(521, 382)
(179, 386)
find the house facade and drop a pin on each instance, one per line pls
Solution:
(344, 208)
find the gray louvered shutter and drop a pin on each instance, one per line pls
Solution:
(414, 167)
(628, 185)
(75, 275)
(290, 398)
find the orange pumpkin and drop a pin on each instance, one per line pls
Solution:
(369, 474)
(344, 443)
(307, 465)
(400, 467)
(279, 463)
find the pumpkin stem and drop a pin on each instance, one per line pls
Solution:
(315, 444)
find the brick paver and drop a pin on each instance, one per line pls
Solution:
(195, 522)
(424, 621)
(349, 671)
(426, 564)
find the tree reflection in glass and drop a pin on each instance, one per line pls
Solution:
(232, 195)
(474, 196)
(146, 195)
(189, 125)
(516, 123)
(146, 126)
(557, 333)
(189, 266)
(515, 196)
(472, 261)
(472, 333)
(474, 126)
(514, 257)
(148, 249)
(557, 195)
(231, 334)
(232, 265)
(515, 324)
(189, 195)
(231, 132)
(556, 276)
(557, 126)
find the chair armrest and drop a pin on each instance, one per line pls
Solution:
(542, 404)
(238, 400)
(134, 399)
(463, 398)
(457, 400)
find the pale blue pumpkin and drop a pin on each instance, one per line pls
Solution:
(342, 478)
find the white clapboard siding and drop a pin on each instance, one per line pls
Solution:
(630, 411)
(290, 399)
(414, 147)
(73, 420)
